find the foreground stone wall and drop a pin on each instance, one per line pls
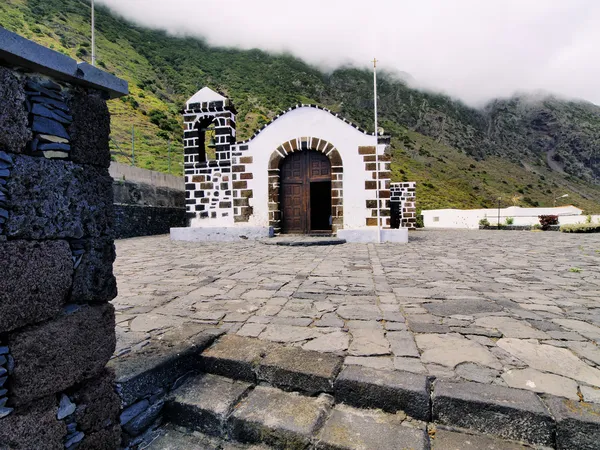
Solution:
(56, 255)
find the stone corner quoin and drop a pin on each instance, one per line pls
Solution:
(56, 217)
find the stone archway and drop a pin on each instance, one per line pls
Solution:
(298, 145)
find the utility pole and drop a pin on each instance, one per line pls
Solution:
(93, 36)
(169, 156)
(376, 152)
(133, 145)
(499, 199)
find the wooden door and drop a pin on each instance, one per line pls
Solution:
(297, 172)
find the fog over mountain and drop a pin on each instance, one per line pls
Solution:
(470, 49)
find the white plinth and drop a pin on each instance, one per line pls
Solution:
(220, 234)
(369, 235)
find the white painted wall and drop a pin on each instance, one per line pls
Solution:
(469, 218)
(312, 122)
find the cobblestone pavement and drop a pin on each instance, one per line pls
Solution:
(513, 308)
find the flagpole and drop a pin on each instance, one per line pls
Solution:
(376, 152)
(93, 37)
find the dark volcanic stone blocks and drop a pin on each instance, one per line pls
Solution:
(508, 413)
(13, 116)
(578, 424)
(391, 391)
(57, 199)
(90, 129)
(98, 405)
(33, 427)
(205, 402)
(94, 281)
(35, 278)
(52, 357)
(107, 439)
(300, 370)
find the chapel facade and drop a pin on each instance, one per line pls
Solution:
(308, 171)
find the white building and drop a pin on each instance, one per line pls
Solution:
(469, 218)
(308, 171)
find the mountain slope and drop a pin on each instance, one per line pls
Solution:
(527, 151)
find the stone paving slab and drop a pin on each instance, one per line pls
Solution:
(480, 306)
(171, 437)
(349, 428)
(235, 357)
(299, 370)
(282, 419)
(205, 402)
(390, 391)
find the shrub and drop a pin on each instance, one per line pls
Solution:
(484, 222)
(510, 220)
(536, 226)
(581, 228)
(588, 218)
(420, 223)
(546, 221)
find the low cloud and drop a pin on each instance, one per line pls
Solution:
(473, 50)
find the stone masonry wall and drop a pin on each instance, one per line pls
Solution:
(56, 258)
(371, 160)
(403, 201)
(142, 209)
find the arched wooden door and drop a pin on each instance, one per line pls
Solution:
(305, 200)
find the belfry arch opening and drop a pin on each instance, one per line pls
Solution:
(206, 139)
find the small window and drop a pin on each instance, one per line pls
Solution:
(436, 219)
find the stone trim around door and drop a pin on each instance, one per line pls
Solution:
(337, 172)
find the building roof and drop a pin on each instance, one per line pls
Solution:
(381, 138)
(206, 95)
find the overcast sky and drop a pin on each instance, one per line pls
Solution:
(470, 49)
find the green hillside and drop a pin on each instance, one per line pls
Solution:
(526, 150)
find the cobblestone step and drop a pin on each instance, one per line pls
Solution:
(214, 412)
(238, 411)
(498, 411)
(303, 241)
(172, 437)
(253, 391)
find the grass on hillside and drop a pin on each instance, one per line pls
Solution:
(163, 71)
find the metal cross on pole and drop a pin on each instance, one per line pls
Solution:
(376, 152)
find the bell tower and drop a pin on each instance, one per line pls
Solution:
(205, 108)
(208, 176)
